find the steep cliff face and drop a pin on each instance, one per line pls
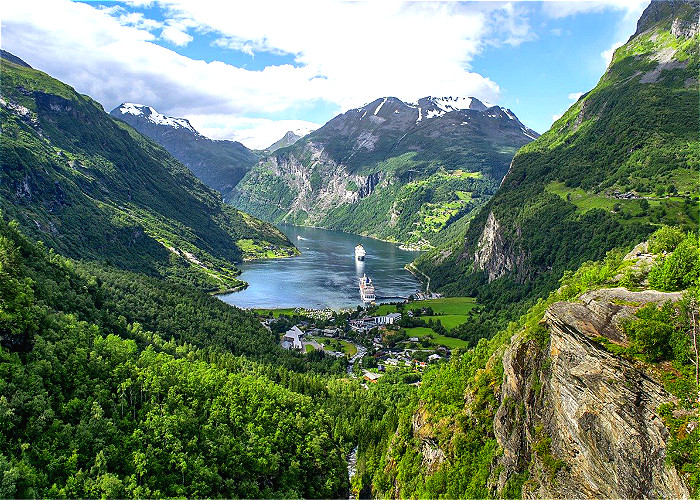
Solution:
(495, 254)
(287, 190)
(582, 421)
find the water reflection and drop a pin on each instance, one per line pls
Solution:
(326, 274)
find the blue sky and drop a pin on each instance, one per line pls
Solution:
(252, 70)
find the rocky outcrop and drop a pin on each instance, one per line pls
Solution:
(432, 455)
(314, 191)
(584, 422)
(495, 253)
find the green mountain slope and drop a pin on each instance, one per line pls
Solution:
(397, 171)
(91, 187)
(621, 161)
(218, 164)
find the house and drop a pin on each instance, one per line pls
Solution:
(330, 332)
(413, 339)
(392, 361)
(293, 339)
(371, 377)
(434, 357)
(388, 319)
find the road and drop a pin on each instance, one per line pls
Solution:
(361, 351)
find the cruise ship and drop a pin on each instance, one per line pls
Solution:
(360, 252)
(366, 289)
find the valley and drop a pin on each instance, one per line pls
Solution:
(183, 315)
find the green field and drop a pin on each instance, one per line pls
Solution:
(453, 306)
(276, 313)
(253, 250)
(660, 210)
(449, 321)
(347, 347)
(421, 331)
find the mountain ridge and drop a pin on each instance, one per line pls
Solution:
(220, 164)
(92, 187)
(617, 164)
(389, 169)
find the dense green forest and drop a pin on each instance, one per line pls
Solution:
(91, 187)
(116, 384)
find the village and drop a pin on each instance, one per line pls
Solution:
(406, 336)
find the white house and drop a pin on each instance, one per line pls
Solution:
(389, 319)
(293, 339)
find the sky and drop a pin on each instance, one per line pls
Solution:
(251, 70)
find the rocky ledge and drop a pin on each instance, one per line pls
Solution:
(582, 421)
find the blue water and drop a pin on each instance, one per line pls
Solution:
(326, 273)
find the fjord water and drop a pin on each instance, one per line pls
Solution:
(326, 273)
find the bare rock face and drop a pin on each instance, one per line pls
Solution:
(495, 254)
(315, 196)
(583, 420)
(432, 455)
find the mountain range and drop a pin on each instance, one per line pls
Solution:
(393, 170)
(121, 376)
(218, 164)
(92, 187)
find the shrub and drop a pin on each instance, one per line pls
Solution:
(679, 270)
(665, 239)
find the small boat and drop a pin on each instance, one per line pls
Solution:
(367, 289)
(360, 252)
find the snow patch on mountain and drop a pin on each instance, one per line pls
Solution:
(301, 132)
(380, 106)
(155, 117)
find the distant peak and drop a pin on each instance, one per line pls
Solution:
(13, 58)
(453, 103)
(153, 116)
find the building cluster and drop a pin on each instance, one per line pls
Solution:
(403, 355)
(369, 322)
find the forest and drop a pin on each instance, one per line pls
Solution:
(118, 385)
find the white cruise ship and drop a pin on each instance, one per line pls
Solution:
(360, 252)
(367, 289)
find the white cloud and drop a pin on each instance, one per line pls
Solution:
(574, 96)
(255, 133)
(346, 53)
(556, 117)
(566, 8)
(176, 36)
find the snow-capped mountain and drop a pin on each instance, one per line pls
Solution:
(382, 168)
(153, 116)
(219, 164)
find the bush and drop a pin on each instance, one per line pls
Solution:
(665, 239)
(679, 270)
